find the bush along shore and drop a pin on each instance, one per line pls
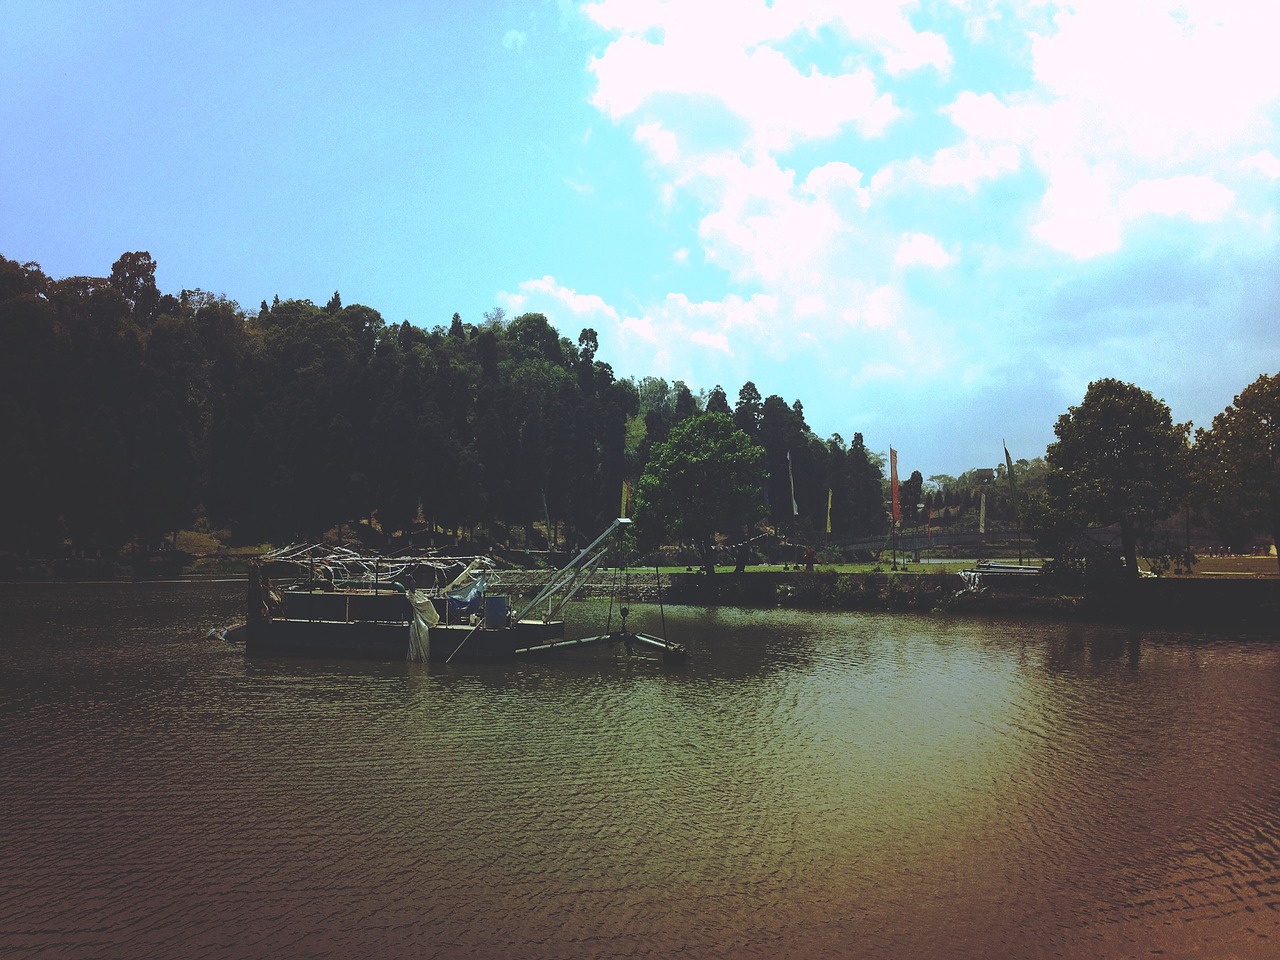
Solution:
(1200, 603)
(1168, 602)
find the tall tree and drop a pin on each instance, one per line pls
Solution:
(133, 276)
(909, 495)
(717, 402)
(1237, 461)
(781, 433)
(686, 406)
(749, 409)
(1119, 460)
(704, 479)
(866, 478)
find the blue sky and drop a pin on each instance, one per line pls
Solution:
(931, 222)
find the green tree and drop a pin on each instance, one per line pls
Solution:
(866, 477)
(782, 434)
(749, 410)
(686, 405)
(706, 478)
(1237, 461)
(1119, 460)
(909, 497)
(133, 276)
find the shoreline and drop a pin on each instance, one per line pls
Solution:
(1201, 602)
(1213, 603)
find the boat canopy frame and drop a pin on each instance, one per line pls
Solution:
(346, 568)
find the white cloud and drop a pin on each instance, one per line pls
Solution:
(883, 26)
(712, 340)
(514, 40)
(662, 144)
(1163, 81)
(1199, 198)
(883, 308)
(547, 290)
(920, 249)
(694, 51)
(641, 328)
(835, 197)
(1078, 215)
(1146, 108)
(1264, 162)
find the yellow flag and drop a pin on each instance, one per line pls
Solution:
(624, 511)
(828, 509)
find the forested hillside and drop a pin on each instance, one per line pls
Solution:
(128, 413)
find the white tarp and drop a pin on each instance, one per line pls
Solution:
(420, 624)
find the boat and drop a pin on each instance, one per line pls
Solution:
(986, 572)
(334, 601)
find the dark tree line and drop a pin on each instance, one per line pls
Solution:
(129, 413)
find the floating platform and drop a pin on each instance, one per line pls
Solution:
(376, 626)
(324, 601)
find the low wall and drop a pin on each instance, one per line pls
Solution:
(817, 590)
(1200, 602)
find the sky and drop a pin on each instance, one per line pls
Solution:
(933, 223)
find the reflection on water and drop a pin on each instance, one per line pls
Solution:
(807, 785)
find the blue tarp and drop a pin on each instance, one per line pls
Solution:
(468, 600)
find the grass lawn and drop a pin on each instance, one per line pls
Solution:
(1245, 567)
(1254, 567)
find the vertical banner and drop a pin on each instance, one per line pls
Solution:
(828, 509)
(893, 484)
(795, 508)
(625, 509)
(982, 514)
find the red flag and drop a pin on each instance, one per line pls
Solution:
(893, 483)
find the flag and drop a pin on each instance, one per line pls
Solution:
(1008, 462)
(795, 508)
(982, 514)
(828, 509)
(626, 499)
(893, 483)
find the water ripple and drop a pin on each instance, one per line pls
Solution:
(810, 785)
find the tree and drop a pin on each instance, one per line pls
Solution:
(686, 405)
(704, 479)
(909, 496)
(749, 410)
(133, 276)
(1237, 461)
(1119, 460)
(717, 402)
(866, 477)
(782, 435)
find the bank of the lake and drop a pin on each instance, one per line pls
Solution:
(1203, 602)
(1213, 602)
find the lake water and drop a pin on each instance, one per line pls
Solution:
(808, 785)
